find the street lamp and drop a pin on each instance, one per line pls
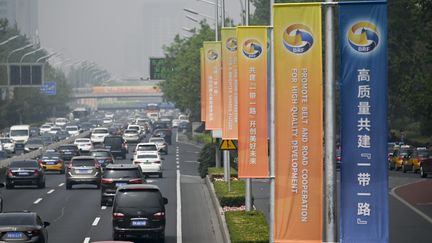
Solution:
(188, 30)
(11, 38)
(192, 18)
(29, 53)
(17, 50)
(206, 16)
(46, 57)
(197, 13)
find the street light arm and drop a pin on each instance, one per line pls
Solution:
(17, 50)
(10, 39)
(46, 57)
(199, 14)
(29, 53)
(192, 18)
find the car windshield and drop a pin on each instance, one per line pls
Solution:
(55, 129)
(131, 132)
(139, 199)
(9, 219)
(100, 131)
(121, 173)
(82, 141)
(100, 154)
(34, 141)
(83, 162)
(20, 164)
(157, 140)
(150, 147)
(16, 133)
(68, 148)
(147, 156)
(71, 129)
(423, 154)
(51, 155)
(5, 140)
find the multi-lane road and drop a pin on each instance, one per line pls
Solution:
(77, 216)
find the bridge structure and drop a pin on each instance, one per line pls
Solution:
(116, 97)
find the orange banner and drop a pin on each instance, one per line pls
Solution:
(252, 99)
(203, 85)
(299, 123)
(229, 83)
(213, 62)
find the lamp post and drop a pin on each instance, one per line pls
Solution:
(46, 57)
(206, 16)
(17, 50)
(8, 40)
(29, 53)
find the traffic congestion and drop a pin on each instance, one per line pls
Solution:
(117, 155)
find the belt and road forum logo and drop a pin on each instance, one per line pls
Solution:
(212, 55)
(363, 37)
(251, 48)
(231, 44)
(297, 38)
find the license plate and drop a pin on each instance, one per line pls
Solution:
(68, 152)
(101, 161)
(14, 235)
(84, 171)
(139, 223)
(50, 163)
(120, 184)
(108, 147)
(23, 173)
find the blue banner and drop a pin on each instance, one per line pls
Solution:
(364, 169)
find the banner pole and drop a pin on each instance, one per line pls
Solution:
(330, 127)
(272, 131)
(248, 192)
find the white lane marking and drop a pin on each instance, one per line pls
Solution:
(191, 161)
(179, 217)
(87, 240)
(61, 184)
(178, 166)
(96, 221)
(103, 207)
(150, 181)
(37, 201)
(176, 137)
(50, 191)
(423, 215)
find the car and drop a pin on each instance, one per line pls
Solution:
(98, 134)
(146, 147)
(415, 160)
(8, 144)
(137, 128)
(161, 143)
(61, 121)
(61, 135)
(34, 131)
(149, 162)
(54, 130)
(67, 151)
(24, 172)
(84, 144)
(103, 156)
(51, 161)
(115, 175)
(175, 123)
(400, 155)
(131, 136)
(83, 170)
(72, 130)
(23, 227)
(47, 140)
(44, 128)
(164, 133)
(33, 144)
(117, 145)
(3, 155)
(139, 211)
(1, 198)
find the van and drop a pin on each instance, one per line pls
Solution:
(117, 145)
(20, 133)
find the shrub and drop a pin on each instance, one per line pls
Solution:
(233, 198)
(203, 138)
(206, 158)
(247, 226)
(215, 172)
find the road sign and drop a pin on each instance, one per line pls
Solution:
(156, 64)
(228, 145)
(25, 74)
(49, 88)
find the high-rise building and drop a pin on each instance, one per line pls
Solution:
(21, 13)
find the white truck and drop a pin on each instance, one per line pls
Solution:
(19, 133)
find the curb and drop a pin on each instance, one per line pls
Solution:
(221, 215)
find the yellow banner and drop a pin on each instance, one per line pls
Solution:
(229, 83)
(252, 99)
(213, 61)
(203, 85)
(299, 122)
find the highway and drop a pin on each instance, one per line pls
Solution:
(77, 216)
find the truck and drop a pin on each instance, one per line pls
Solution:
(20, 133)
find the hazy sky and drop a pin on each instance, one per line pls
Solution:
(119, 35)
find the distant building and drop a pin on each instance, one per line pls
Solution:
(21, 13)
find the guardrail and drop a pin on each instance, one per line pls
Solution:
(36, 153)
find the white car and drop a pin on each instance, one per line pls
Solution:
(175, 122)
(44, 128)
(146, 147)
(107, 121)
(84, 144)
(131, 136)
(8, 144)
(98, 134)
(72, 130)
(135, 127)
(160, 142)
(54, 130)
(61, 121)
(150, 163)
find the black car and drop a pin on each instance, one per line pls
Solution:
(67, 151)
(25, 172)
(62, 135)
(139, 211)
(115, 175)
(117, 145)
(164, 133)
(22, 227)
(33, 144)
(103, 156)
(1, 198)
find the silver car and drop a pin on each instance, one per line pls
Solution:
(83, 170)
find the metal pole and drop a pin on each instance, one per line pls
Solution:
(223, 13)
(248, 192)
(272, 131)
(330, 128)
(216, 20)
(218, 157)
